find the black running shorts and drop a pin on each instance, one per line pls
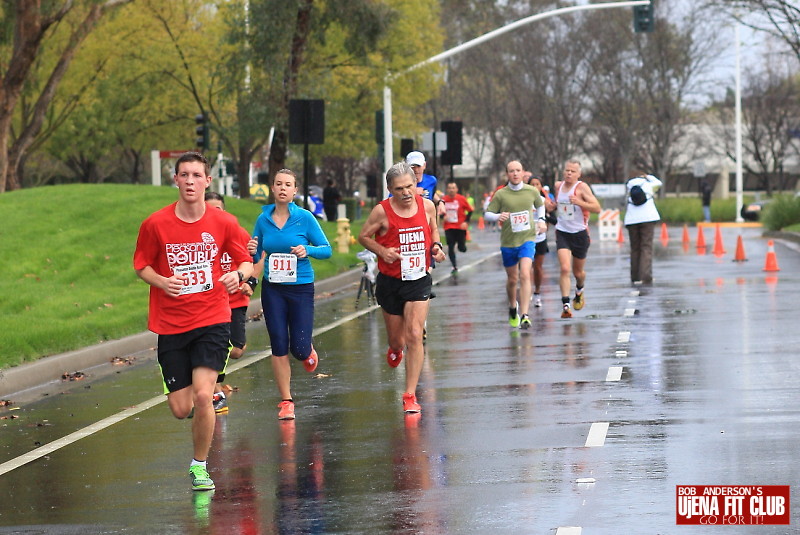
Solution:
(179, 354)
(393, 294)
(577, 242)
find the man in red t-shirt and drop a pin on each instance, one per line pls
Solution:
(402, 231)
(178, 254)
(457, 212)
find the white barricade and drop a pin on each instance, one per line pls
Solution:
(608, 225)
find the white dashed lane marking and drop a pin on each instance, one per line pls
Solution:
(597, 435)
(614, 373)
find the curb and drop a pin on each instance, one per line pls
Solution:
(781, 235)
(48, 371)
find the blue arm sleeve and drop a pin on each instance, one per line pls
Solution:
(257, 234)
(320, 248)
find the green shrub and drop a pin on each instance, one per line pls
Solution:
(689, 210)
(781, 212)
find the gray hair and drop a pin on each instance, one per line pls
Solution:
(401, 168)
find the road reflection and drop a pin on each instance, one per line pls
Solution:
(418, 467)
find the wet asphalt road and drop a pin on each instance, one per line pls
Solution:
(691, 381)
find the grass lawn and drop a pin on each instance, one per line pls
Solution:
(67, 271)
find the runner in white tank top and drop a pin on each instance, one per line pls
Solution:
(575, 201)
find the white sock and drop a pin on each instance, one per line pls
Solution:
(195, 462)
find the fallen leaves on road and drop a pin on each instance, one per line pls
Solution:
(76, 376)
(122, 361)
(322, 375)
(5, 402)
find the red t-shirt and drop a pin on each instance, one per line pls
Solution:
(237, 299)
(411, 236)
(456, 209)
(170, 245)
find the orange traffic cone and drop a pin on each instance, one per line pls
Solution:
(719, 249)
(664, 234)
(685, 234)
(772, 261)
(701, 239)
(469, 238)
(481, 224)
(620, 236)
(739, 256)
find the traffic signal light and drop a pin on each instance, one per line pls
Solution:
(452, 156)
(643, 18)
(379, 127)
(406, 146)
(203, 140)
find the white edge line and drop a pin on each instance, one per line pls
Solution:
(569, 530)
(98, 426)
(50, 447)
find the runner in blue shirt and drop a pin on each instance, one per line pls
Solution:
(426, 184)
(287, 236)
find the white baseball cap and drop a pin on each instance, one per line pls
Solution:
(415, 158)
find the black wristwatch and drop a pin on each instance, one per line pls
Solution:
(441, 247)
(241, 276)
(253, 282)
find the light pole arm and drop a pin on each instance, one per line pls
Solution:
(388, 157)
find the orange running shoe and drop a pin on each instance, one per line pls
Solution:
(410, 403)
(286, 411)
(566, 313)
(394, 357)
(310, 364)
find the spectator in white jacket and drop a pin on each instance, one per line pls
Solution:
(641, 216)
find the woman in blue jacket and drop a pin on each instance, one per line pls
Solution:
(287, 237)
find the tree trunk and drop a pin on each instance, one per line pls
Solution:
(277, 153)
(243, 170)
(30, 28)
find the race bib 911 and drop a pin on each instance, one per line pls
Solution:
(282, 267)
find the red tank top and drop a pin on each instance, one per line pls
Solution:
(411, 236)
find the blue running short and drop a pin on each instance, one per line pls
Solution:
(512, 255)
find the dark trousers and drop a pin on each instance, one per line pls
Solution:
(455, 236)
(331, 211)
(641, 236)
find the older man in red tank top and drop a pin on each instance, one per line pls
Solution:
(402, 231)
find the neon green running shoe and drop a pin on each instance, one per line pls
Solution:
(200, 478)
(513, 317)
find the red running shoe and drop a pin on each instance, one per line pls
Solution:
(394, 358)
(410, 403)
(310, 364)
(286, 411)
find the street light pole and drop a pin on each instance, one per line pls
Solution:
(388, 157)
(738, 119)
